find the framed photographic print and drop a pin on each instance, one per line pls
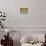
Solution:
(23, 10)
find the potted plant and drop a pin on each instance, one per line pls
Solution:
(2, 19)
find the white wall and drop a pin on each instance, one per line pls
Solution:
(34, 21)
(35, 18)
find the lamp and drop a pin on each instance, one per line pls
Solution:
(7, 31)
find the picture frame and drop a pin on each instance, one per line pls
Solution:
(23, 10)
